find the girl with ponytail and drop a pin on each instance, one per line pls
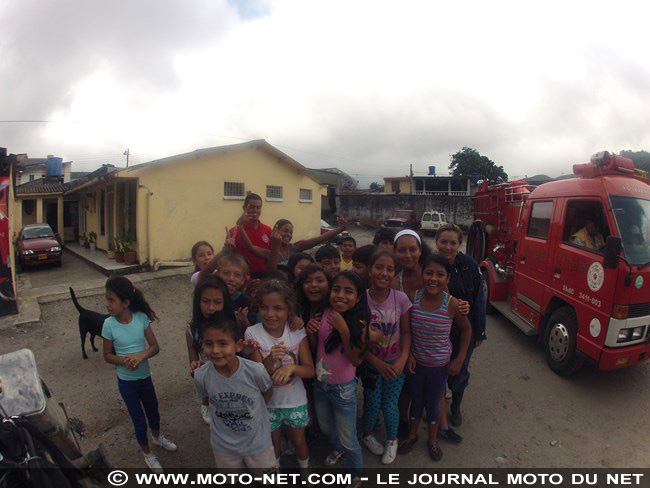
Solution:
(127, 331)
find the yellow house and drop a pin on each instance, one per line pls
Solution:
(169, 204)
(397, 184)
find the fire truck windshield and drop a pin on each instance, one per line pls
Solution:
(633, 219)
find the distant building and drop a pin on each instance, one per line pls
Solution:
(428, 185)
(30, 169)
(397, 185)
(42, 199)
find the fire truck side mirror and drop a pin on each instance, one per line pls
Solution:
(613, 248)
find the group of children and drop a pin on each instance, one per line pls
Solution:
(270, 353)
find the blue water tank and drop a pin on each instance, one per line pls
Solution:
(53, 167)
(432, 171)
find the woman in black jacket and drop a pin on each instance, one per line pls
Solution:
(464, 284)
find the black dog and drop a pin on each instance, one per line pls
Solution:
(89, 323)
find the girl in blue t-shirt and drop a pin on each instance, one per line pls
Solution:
(127, 332)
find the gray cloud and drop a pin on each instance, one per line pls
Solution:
(350, 100)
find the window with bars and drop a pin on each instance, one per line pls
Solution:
(273, 192)
(305, 195)
(232, 189)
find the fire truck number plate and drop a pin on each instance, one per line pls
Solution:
(589, 299)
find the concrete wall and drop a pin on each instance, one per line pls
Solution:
(379, 207)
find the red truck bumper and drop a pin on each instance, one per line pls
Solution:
(624, 357)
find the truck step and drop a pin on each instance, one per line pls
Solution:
(504, 309)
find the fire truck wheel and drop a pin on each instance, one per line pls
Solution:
(561, 342)
(485, 280)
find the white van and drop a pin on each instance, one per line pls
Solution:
(431, 221)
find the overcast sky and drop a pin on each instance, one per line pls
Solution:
(367, 86)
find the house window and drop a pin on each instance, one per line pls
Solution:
(102, 213)
(273, 193)
(540, 219)
(305, 195)
(31, 177)
(394, 185)
(233, 190)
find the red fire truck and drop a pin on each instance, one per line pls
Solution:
(569, 261)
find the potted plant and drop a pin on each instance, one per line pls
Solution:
(82, 238)
(92, 240)
(130, 256)
(110, 254)
(119, 250)
(86, 241)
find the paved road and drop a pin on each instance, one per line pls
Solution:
(73, 270)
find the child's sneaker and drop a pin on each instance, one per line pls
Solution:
(152, 462)
(390, 452)
(373, 445)
(205, 413)
(304, 476)
(163, 442)
(333, 458)
(356, 483)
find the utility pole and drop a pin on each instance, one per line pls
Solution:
(126, 153)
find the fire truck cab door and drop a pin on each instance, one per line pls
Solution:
(578, 272)
(534, 257)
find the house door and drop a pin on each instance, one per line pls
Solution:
(51, 213)
(110, 211)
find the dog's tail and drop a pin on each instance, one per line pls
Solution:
(76, 303)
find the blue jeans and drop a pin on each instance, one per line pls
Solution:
(138, 394)
(336, 411)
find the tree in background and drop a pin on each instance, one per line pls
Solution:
(641, 158)
(376, 187)
(469, 163)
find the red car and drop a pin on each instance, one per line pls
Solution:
(405, 219)
(37, 245)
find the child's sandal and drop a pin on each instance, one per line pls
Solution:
(435, 452)
(406, 445)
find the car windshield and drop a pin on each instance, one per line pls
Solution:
(37, 232)
(633, 219)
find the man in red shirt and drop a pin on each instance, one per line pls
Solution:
(258, 233)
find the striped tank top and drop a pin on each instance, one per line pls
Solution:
(430, 344)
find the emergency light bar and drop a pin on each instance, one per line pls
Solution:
(604, 163)
(601, 158)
